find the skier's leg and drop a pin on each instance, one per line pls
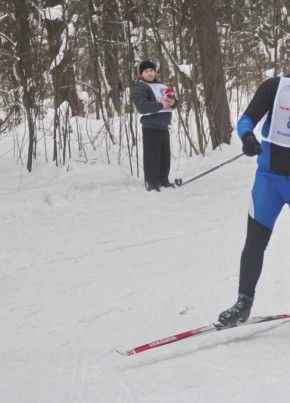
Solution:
(265, 208)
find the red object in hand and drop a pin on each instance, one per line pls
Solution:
(169, 92)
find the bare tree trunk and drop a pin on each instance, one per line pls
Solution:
(112, 27)
(23, 35)
(217, 106)
(62, 64)
(94, 49)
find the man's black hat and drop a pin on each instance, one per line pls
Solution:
(147, 64)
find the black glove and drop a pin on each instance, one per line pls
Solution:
(251, 146)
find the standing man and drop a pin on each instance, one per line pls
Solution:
(155, 101)
(271, 190)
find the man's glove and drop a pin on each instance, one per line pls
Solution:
(251, 146)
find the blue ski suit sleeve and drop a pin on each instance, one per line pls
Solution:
(245, 124)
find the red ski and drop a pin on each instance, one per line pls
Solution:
(215, 327)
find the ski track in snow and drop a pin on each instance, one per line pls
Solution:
(91, 263)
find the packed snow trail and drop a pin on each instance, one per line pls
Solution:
(91, 262)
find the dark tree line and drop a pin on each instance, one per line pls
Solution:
(211, 51)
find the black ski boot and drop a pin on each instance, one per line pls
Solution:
(238, 313)
(167, 185)
(150, 187)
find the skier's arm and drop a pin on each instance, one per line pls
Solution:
(261, 103)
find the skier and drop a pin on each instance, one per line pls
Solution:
(155, 101)
(271, 189)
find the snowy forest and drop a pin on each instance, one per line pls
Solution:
(76, 61)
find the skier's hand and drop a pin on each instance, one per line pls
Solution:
(251, 146)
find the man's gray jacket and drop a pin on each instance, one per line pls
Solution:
(145, 102)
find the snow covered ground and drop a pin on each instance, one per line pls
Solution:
(91, 263)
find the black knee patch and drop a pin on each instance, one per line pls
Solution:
(258, 235)
(252, 256)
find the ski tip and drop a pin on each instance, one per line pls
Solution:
(126, 353)
(178, 182)
(123, 353)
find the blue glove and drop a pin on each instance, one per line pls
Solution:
(251, 146)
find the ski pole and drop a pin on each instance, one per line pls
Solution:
(178, 182)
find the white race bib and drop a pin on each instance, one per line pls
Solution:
(159, 92)
(279, 132)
